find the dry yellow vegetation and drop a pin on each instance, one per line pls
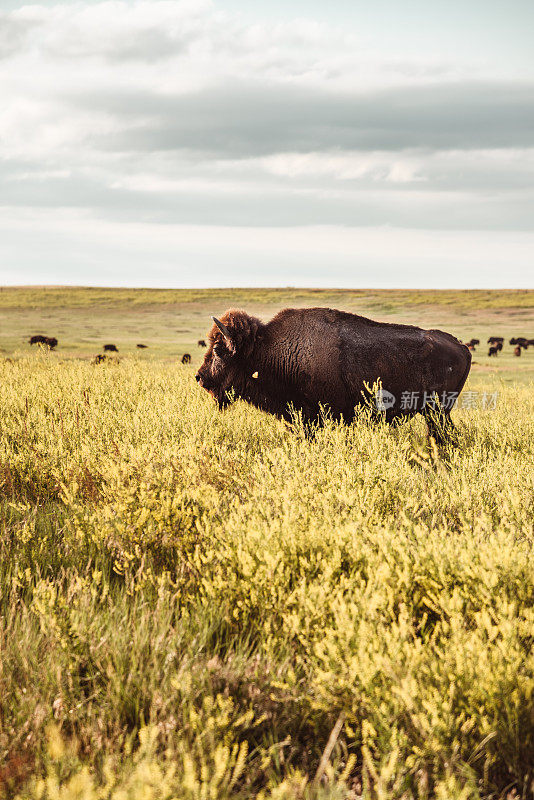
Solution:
(191, 600)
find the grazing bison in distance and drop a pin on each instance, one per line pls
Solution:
(312, 357)
(520, 341)
(142, 346)
(471, 344)
(496, 340)
(494, 350)
(186, 358)
(517, 350)
(50, 341)
(202, 343)
(110, 348)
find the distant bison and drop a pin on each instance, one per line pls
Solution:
(142, 346)
(111, 348)
(520, 341)
(517, 350)
(186, 358)
(202, 343)
(494, 349)
(99, 359)
(50, 341)
(496, 339)
(314, 358)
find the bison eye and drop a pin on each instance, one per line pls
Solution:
(219, 349)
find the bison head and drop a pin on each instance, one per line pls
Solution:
(228, 363)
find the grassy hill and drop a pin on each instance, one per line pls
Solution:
(198, 605)
(170, 321)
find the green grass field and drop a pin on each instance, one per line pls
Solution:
(197, 605)
(171, 321)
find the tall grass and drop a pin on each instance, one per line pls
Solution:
(190, 601)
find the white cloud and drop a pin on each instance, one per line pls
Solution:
(173, 112)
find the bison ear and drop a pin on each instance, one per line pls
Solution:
(226, 333)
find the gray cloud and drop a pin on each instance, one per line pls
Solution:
(271, 204)
(13, 34)
(168, 115)
(250, 120)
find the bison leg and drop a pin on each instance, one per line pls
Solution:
(440, 426)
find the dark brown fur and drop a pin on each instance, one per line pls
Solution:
(111, 348)
(50, 341)
(319, 357)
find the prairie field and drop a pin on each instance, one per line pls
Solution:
(207, 605)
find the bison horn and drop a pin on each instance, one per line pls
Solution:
(223, 329)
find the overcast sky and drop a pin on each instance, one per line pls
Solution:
(267, 142)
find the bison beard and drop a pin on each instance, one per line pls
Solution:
(316, 358)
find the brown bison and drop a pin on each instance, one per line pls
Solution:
(111, 348)
(142, 346)
(202, 343)
(494, 350)
(314, 358)
(50, 341)
(102, 358)
(520, 341)
(496, 340)
(186, 358)
(471, 344)
(517, 350)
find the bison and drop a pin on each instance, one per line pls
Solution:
(494, 350)
(111, 348)
(471, 344)
(517, 350)
(201, 343)
(49, 341)
(520, 341)
(496, 340)
(315, 358)
(186, 358)
(142, 346)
